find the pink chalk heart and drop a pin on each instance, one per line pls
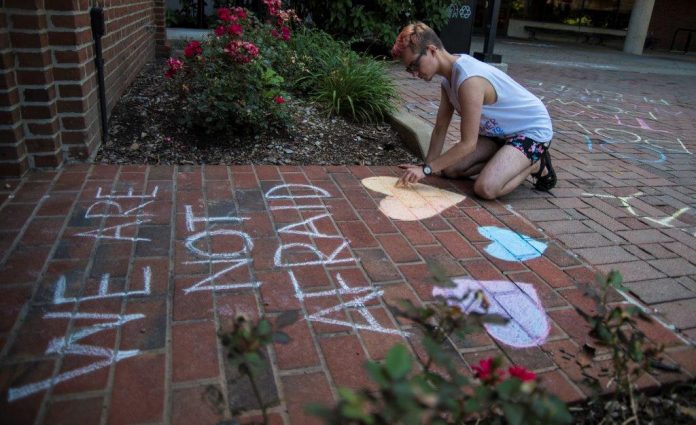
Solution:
(417, 202)
(528, 325)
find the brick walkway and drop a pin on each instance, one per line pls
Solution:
(108, 312)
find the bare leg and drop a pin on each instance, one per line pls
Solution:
(474, 163)
(503, 173)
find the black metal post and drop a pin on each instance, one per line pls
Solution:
(96, 15)
(491, 27)
(200, 13)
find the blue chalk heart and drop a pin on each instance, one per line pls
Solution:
(510, 246)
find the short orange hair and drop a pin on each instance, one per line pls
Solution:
(415, 36)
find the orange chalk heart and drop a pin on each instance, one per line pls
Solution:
(417, 202)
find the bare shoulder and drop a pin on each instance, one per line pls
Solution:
(476, 89)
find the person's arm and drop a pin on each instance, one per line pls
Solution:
(442, 122)
(471, 96)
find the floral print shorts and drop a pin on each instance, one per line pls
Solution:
(529, 147)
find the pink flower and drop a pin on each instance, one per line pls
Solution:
(487, 371)
(521, 373)
(193, 48)
(241, 51)
(240, 12)
(285, 16)
(225, 14)
(273, 6)
(235, 29)
(175, 65)
(279, 100)
(220, 31)
(283, 34)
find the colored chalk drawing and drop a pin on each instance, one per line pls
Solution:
(417, 202)
(528, 325)
(510, 246)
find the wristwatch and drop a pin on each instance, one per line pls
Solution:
(427, 170)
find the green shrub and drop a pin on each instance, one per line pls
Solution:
(344, 82)
(378, 20)
(355, 87)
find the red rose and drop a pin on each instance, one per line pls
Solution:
(174, 66)
(521, 373)
(240, 13)
(225, 14)
(193, 48)
(487, 371)
(235, 29)
(279, 99)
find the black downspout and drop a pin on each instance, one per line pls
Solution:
(98, 29)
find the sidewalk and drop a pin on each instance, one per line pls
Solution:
(115, 279)
(624, 147)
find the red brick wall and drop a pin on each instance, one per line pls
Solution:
(49, 103)
(668, 15)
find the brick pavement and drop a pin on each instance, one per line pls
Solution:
(624, 152)
(115, 280)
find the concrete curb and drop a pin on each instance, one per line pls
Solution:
(414, 131)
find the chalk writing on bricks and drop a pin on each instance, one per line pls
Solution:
(417, 202)
(357, 303)
(527, 324)
(69, 345)
(219, 241)
(511, 246)
(111, 206)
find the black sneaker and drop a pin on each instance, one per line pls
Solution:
(547, 182)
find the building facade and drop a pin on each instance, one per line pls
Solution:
(49, 101)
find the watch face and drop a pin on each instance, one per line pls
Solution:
(427, 170)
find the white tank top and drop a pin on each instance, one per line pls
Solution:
(515, 112)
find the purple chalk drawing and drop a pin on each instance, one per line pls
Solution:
(528, 325)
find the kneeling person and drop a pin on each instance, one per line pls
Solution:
(505, 130)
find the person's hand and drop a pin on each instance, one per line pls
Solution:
(412, 174)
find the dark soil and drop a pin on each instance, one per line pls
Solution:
(668, 405)
(143, 129)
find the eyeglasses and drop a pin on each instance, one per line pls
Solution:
(413, 67)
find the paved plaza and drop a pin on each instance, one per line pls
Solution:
(116, 280)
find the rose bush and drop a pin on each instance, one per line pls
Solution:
(238, 79)
(228, 83)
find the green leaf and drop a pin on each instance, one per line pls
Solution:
(376, 373)
(319, 410)
(264, 328)
(348, 395)
(281, 337)
(287, 318)
(514, 413)
(508, 388)
(398, 362)
(614, 279)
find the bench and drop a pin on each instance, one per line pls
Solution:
(588, 32)
(528, 29)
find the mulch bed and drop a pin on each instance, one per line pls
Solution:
(143, 129)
